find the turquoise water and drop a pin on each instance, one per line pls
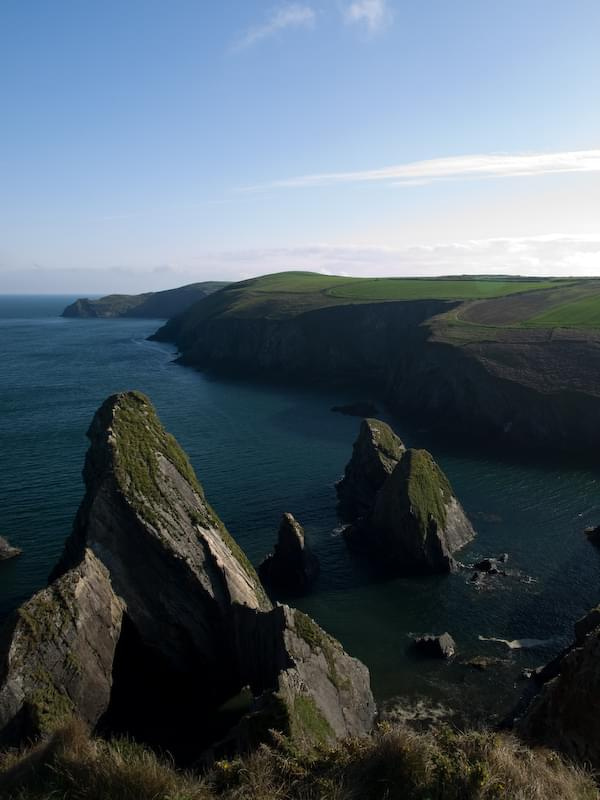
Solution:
(261, 450)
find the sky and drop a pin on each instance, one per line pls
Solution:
(145, 144)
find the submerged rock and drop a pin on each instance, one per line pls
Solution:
(376, 452)
(593, 534)
(359, 409)
(7, 550)
(490, 565)
(292, 567)
(442, 646)
(152, 591)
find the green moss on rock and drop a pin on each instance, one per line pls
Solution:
(317, 639)
(139, 441)
(428, 489)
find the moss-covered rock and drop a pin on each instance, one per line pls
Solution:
(152, 590)
(408, 519)
(375, 453)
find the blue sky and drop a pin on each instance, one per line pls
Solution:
(150, 143)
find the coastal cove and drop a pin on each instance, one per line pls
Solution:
(261, 450)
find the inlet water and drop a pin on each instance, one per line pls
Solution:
(262, 450)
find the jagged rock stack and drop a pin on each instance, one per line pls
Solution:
(292, 567)
(154, 618)
(403, 511)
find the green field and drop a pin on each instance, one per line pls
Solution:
(584, 313)
(382, 289)
(488, 302)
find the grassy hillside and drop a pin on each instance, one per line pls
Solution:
(394, 763)
(288, 294)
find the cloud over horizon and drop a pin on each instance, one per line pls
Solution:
(560, 255)
(490, 165)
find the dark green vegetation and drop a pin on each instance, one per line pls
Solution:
(393, 763)
(151, 304)
(427, 488)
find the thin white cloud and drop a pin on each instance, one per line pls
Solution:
(454, 167)
(372, 13)
(291, 15)
(565, 255)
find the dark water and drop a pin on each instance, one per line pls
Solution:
(260, 451)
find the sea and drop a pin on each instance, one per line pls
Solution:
(261, 450)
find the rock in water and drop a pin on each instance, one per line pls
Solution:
(376, 452)
(415, 523)
(7, 550)
(564, 714)
(292, 567)
(593, 534)
(442, 646)
(153, 591)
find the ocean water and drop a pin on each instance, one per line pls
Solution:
(261, 450)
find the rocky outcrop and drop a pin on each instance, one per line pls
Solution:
(152, 305)
(405, 514)
(563, 715)
(432, 646)
(292, 567)
(375, 453)
(153, 591)
(7, 550)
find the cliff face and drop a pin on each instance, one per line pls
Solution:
(564, 714)
(152, 590)
(153, 305)
(521, 385)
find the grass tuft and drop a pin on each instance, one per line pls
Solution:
(393, 763)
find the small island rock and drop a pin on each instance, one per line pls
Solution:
(292, 567)
(416, 523)
(442, 646)
(7, 550)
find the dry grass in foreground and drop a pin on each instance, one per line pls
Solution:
(393, 764)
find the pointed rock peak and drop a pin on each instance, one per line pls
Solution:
(292, 568)
(291, 534)
(375, 453)
(378, 435)
(130, 448)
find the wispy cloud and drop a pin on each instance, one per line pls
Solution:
(372, 13)
(455, 167)
(560, 254)
(291, 15)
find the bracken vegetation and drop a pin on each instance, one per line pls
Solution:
(393, 764)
